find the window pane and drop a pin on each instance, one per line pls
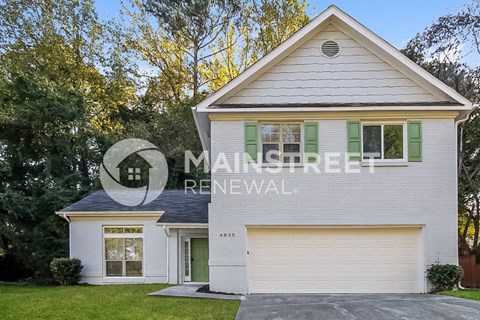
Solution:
(187, 259)
(114, 268)
(270, 153)
(270, 133)
(291, 133)
(113, 249)
(133, 268)
(393, 141)
(113, 230)
(291, 153)
(133, 230)
(372, 139)
(134, 249)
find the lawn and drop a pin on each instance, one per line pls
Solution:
(106, 302)
(465, 294)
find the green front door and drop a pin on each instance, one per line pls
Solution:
(199, 260)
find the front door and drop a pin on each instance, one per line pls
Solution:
(199, 259)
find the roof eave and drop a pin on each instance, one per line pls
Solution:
(110, 214)
(183, 225)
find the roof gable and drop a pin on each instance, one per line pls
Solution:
(355, 76)
(416, 84)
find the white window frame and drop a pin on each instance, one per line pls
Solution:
(188, 260)
(122, 236)
(382, 124)
(280, 143)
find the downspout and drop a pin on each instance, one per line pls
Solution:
(459, 148)
(168, 252)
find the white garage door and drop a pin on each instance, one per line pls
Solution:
(327, 260)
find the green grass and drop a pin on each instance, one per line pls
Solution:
(465, 294)
(106, 302)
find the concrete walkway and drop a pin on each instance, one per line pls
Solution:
(357, 307)
(190, 291)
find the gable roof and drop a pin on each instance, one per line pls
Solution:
(174, 206)
(449, 99)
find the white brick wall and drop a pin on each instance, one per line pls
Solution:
(421, 193)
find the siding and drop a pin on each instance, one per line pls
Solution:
(422, 193)
(86, 243)
(355, 76)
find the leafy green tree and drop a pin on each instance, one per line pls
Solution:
(152, 44)
(276, 21)
(58, 112)
(443, 49)
(195, 24)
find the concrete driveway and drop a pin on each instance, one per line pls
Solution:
(356, 307)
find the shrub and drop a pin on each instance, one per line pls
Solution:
(66, 271)
(444, 276)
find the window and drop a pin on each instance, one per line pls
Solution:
(187, 259)
(281, 142)
(383, 142)
(123, 251)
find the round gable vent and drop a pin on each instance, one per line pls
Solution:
(330, 49)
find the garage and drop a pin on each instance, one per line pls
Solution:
(334, 260)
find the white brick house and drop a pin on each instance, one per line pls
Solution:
(337, 90)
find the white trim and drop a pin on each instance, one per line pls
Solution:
(280, 144)
(189, 277)
(111, 214)
(333, 226)
(382, 124)
(123, 236)
(179, 225)
(422, 281)
(338, 109)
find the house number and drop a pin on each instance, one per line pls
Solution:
(227, 235)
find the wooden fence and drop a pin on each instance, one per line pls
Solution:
(471, 269)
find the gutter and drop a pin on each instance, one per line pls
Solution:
(63, 215)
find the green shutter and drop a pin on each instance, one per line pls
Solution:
(251, 140)
(354, 147)
(414, 141)
(311, 141)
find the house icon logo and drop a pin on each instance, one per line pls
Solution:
(134, 172)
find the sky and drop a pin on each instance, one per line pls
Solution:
(396, 21)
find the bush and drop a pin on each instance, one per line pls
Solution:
(444, 276)
(66, 271)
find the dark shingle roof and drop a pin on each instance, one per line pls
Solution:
(179, 206)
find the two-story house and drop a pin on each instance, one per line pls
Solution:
(346, 180)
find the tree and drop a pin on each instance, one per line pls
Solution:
(227, 64)
(276, 21)
(195, 24)
(151, 44)
(57, 113)
(442, 49)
